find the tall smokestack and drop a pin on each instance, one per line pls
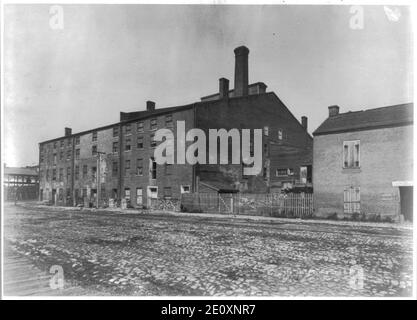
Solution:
(241, 71)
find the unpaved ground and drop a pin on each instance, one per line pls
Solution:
(160, 254)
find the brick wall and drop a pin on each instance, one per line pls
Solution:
(385, 156)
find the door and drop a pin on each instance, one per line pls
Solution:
(152, 194)
(139, 195)
(406, 202)
(54, 196)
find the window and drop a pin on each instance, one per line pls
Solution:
(77, 154)
(280, 134)
(185, 189)
(77, 172)
(351, 154)
(352, 200)
(139, 167)
(54, 174)
(94, 137)
(61, 174)
(93, 172)
(77, 140)
(168, 120)
(115, 131)
(68, 154)
(127, 146)
(54, 157)
(281, 172)
(153, 142)
(127, 166)
(68, 173)
(168, 169)
(55, 144)
(41, 158)
(140, 126)
(153, 168)
(140, 142)
(266, 131)
(94, 150)
(127, 193)
(115, 168)
(167, 193)
(84, 192)
(47, 174)
(128, 129)
(61, 155)
(154, 124)
(266, 149)
(61, 143)
(115, 147)
(69, 142)
(265, 173)
(139, 196)
(85, 170)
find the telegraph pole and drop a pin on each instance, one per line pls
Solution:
(98, 176)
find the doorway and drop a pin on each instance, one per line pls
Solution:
(152, 194)
(406, 203)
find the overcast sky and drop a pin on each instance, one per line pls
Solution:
(112, 58)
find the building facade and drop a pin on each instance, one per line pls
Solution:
(363, 163)
(104, 165)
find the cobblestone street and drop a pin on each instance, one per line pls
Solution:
(163, 254)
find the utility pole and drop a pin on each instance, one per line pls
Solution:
(98, 176)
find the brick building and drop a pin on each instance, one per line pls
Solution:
(117, 161)
(363, 163)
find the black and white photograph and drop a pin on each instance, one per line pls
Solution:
(207, 150)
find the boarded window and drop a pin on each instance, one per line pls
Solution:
(139, 196)
(352, 200)
(351, 154)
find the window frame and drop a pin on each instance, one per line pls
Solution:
(355, 143)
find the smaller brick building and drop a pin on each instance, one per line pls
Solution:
(363, 163)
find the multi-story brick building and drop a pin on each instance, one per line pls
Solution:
(117, 161)
(363, 163)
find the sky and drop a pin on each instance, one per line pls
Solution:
(111, 58)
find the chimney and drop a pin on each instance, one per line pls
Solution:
(150, 105)
(241, 71)
(304, 122)
(68, 131)
(333, 111)
(223, 88)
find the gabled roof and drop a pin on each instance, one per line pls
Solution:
(385, 117)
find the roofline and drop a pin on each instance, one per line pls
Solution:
(162, 112)
(364, 128)
(232, 90)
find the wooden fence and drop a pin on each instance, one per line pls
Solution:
(297, 205)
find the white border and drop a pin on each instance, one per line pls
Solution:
(208, 2)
